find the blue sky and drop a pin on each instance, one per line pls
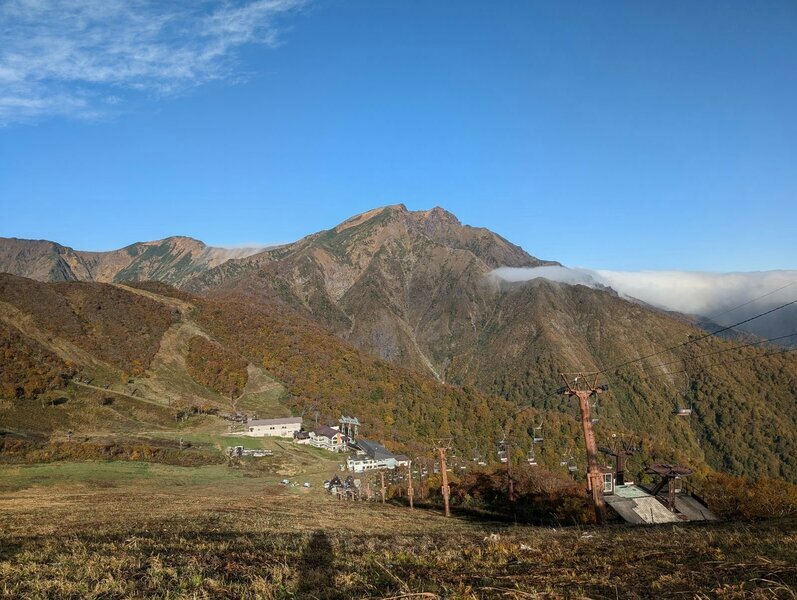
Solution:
(633, 135)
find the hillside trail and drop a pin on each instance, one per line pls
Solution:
(168, 376)
(119, 393)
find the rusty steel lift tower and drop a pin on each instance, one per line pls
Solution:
(585, 386)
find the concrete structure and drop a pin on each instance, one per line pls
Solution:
(273, 427)
(637, 506)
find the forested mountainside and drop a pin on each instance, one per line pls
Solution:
(404, 286)
(173, 260)
(743, 421)
(87, 321)
(390, 284)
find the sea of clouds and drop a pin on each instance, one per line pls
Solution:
(711, 295)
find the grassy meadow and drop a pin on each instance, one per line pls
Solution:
(231, 530)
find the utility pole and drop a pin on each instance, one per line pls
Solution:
(421, 488)
(409, 483)
(442, 446)
(508, 449)
(584, 387)
(382, 475)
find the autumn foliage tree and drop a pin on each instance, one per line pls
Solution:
(27, 369)
(216, 367)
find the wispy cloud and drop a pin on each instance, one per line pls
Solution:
(82, 57)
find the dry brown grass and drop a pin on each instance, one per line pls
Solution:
(248, 538)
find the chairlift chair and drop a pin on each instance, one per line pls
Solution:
(596, 411)
(538, 436)
(682, 409)
(531, 459)
(567, 460)
(502, 451)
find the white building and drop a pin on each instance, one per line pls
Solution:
(273, 427)
(362, 463)
(328, 438)
(372, 456)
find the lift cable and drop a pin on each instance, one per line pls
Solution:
(725, 312)
(656, 376)
(697, 339)
(748, 345)
(558, 391)
(728, 362)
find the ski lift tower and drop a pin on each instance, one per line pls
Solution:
(350, 427)
(620, 453)
(585, 386)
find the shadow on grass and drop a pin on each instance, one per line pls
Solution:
(486, 517)
(316, 568)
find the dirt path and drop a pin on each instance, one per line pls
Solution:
(118, 393)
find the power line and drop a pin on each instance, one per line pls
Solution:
(691, 341)
(699, 338)
(672, 362)
(725, 312)
(656, 376)
(722, 364)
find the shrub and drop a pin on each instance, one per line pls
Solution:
(740, 498)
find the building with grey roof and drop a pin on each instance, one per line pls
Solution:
(283, 427)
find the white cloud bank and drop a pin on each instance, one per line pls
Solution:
(696, 293)
(80, 57)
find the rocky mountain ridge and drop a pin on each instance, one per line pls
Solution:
(173, 260)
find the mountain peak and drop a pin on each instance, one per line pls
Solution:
(437, 221)
(439, 215)
(370, 214)
(182, 241)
